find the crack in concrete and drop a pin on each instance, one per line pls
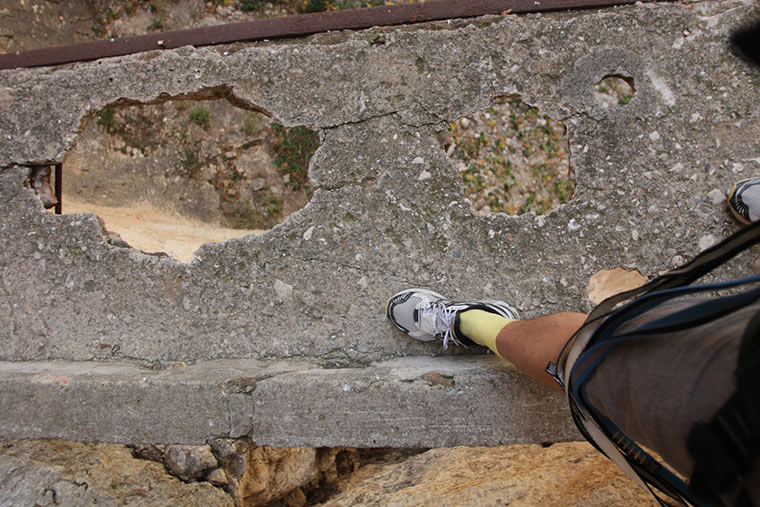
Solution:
(340, 186)
(443, 122)
(359, 121)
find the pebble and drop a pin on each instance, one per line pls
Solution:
(283, 290)
(217, 477)
(716, 196)
(706, 241)
(258, 184)
(189, 462)
(221, 448)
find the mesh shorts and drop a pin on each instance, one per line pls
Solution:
(655, 387)
(671, 366)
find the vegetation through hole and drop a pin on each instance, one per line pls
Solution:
(511, 159)
(614, 91)
(171, 176)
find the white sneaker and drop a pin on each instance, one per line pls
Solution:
(426, 315)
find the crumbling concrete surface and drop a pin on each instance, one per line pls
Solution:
(388, 211)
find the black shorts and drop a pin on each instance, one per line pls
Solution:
(659, 364)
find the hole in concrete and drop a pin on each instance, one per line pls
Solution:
(168, 177)
(511, 159)
(614, 90)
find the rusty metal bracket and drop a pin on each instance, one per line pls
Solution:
(58, 188)
(298, 25)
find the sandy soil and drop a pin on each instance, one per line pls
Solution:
(150, 229)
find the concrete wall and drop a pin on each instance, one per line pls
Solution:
(388, 212)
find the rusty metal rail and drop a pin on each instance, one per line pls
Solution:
(291, 26)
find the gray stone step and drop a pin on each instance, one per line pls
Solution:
(406, 402)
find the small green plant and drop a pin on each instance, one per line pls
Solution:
(251, 123)
(293, 149)
(314, 6)
(191, 162)
(111, 15)
(274, 205)
(157, 24)
(564, 190)
(105, 119)
(251, 5)
(201, 117)
(156, 7)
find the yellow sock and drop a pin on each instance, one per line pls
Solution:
(482, 327)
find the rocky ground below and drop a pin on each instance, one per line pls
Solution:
(55, 472)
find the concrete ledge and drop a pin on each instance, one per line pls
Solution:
(409, 402)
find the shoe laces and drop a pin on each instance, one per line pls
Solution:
(443, 317)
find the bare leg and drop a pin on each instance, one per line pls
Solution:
(532, 344)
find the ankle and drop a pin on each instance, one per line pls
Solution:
(482, 327)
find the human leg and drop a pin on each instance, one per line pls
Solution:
(528, 344)
(532, 344)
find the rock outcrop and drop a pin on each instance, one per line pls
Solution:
(57, 472)
(563, 474)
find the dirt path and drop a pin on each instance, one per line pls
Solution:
(150, 229)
